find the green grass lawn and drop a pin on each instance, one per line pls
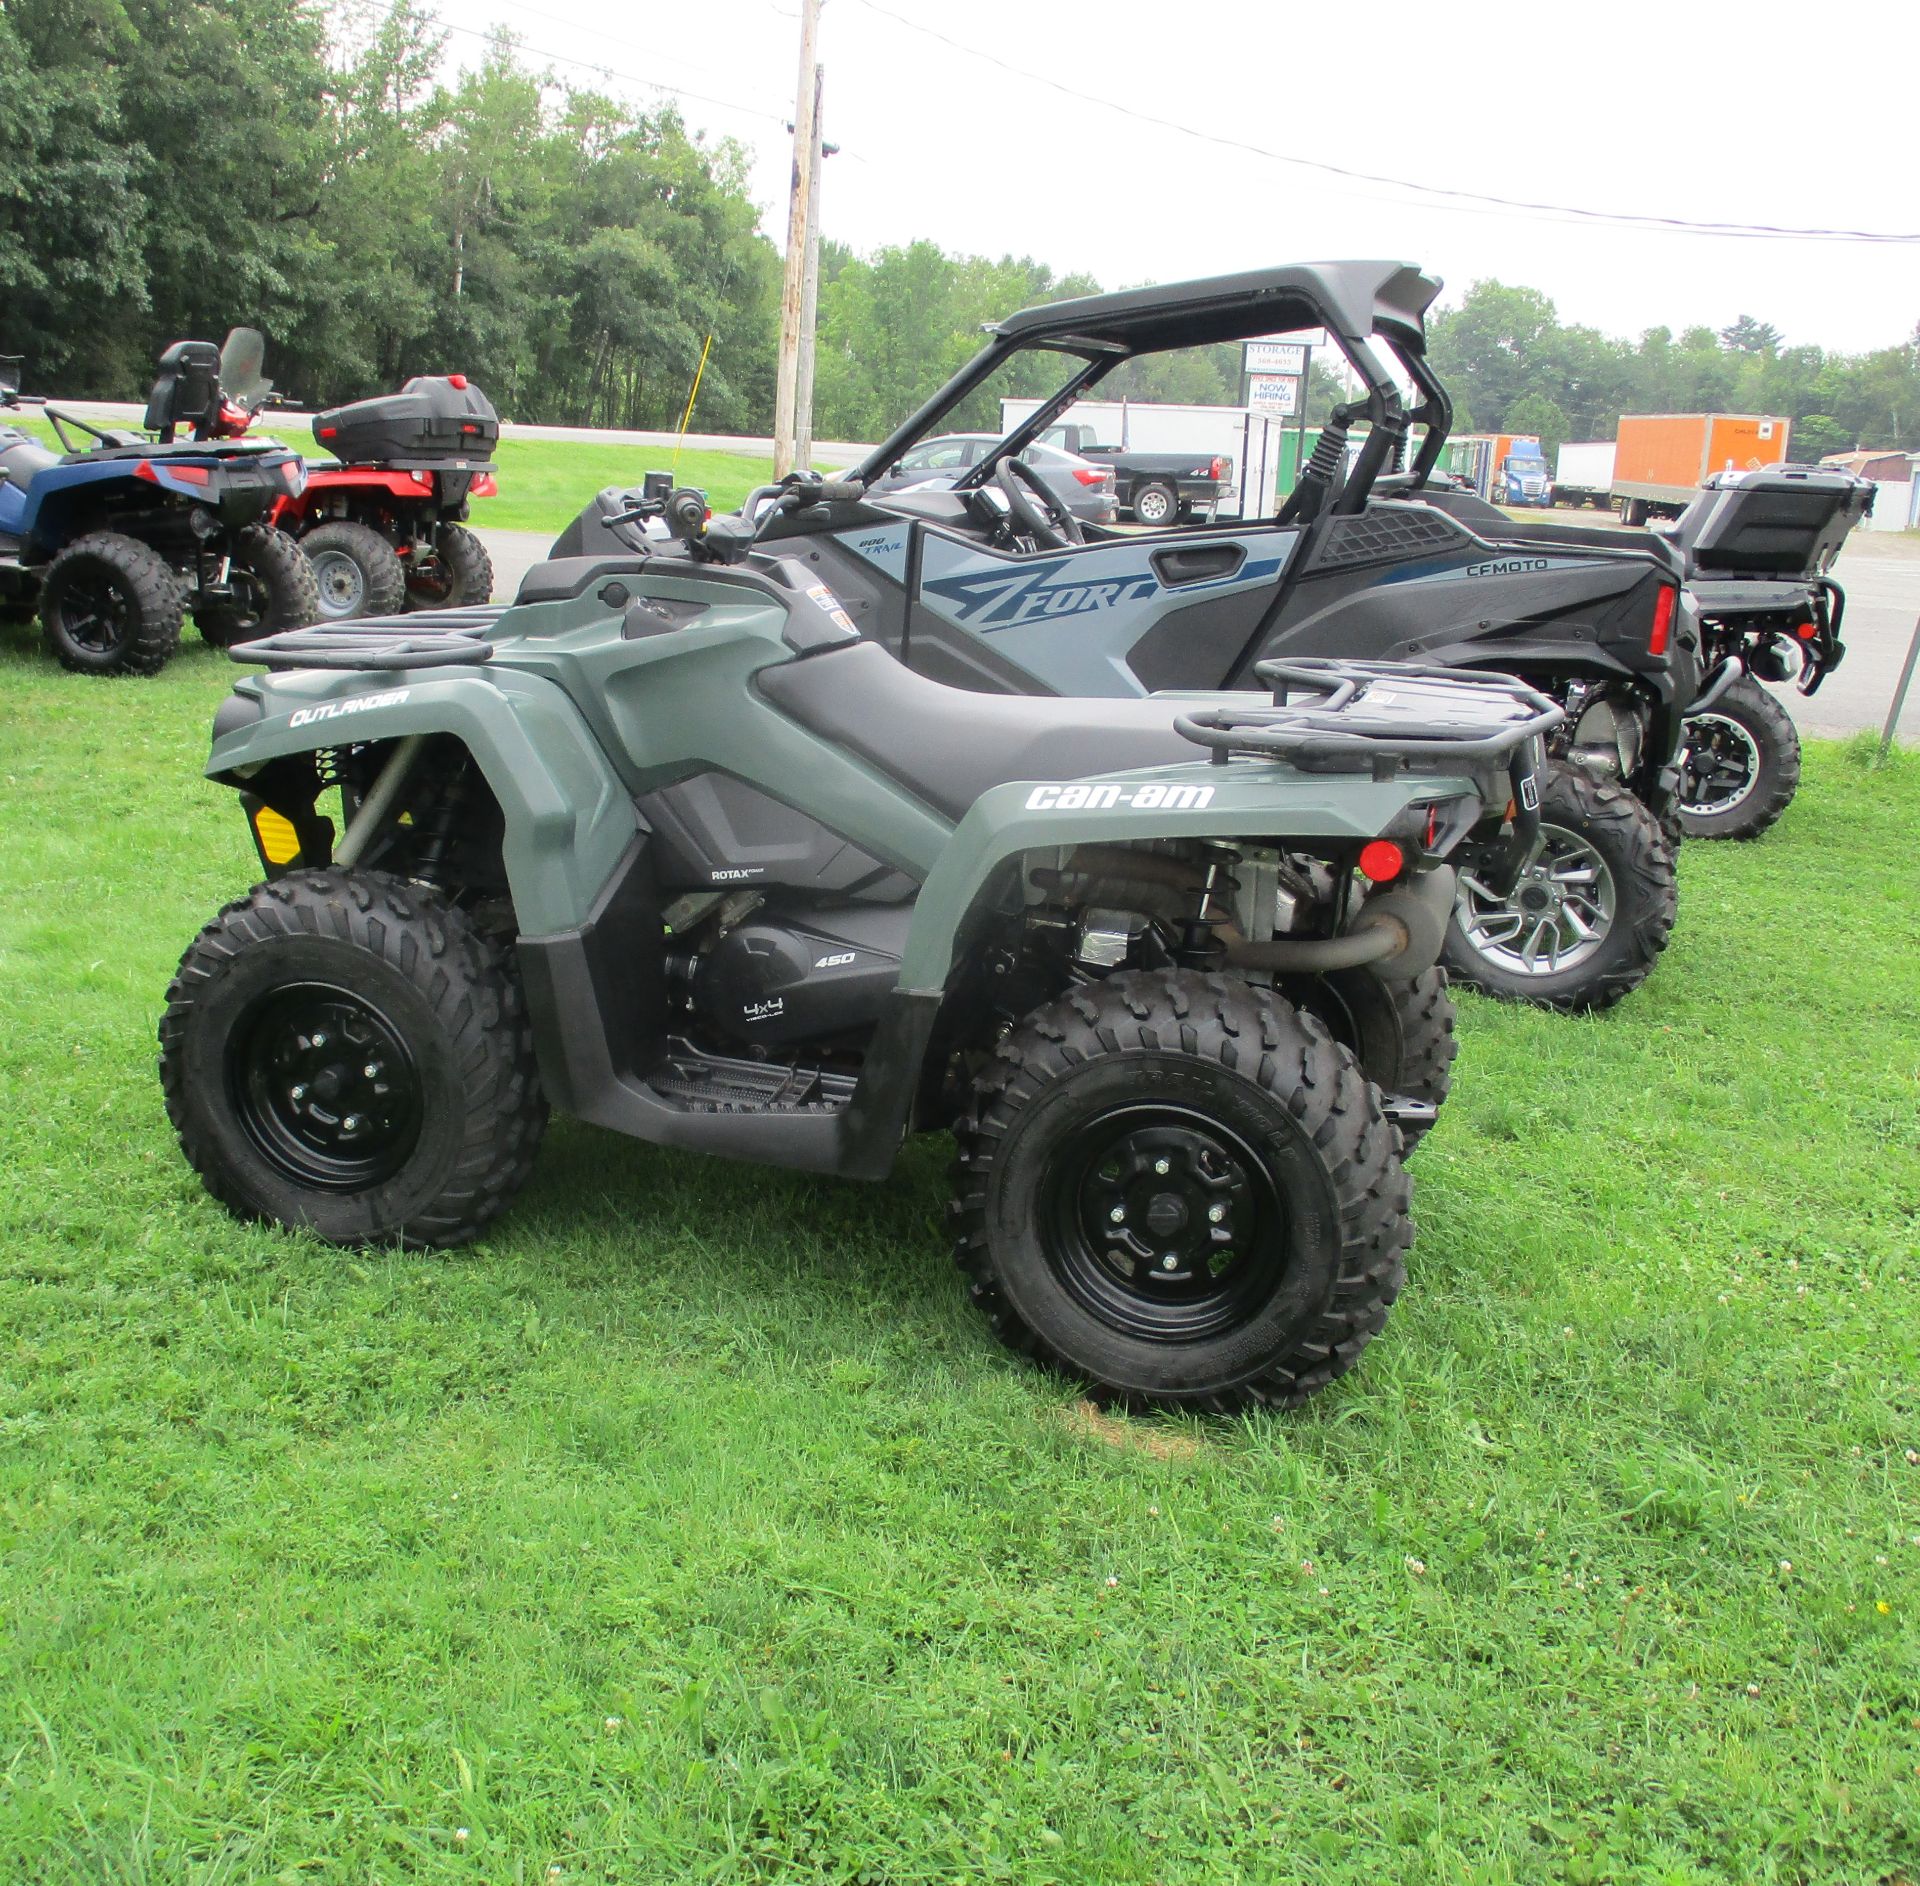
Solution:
(694, 1528)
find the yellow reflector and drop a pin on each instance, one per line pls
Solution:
(279, 842)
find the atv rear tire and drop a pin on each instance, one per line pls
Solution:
(273, 589)
(1168, 1115)
(1400, 1032)
(356, 572)
(344, 1053)
(1589, 917)
(110, 605)
(459, 575)
(1741, 766)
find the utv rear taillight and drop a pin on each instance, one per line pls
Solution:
(1381, 860)
(1662, 631)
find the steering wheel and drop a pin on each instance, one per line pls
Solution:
(1037, 512)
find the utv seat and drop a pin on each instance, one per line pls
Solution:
(949, 745)
(23, 459)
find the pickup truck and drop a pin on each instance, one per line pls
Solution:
(1155, 487)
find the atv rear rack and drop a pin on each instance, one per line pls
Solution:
(1355, 716)
(447, 638)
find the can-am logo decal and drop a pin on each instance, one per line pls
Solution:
(360, 704)
(1000, 598)
(1098, 798)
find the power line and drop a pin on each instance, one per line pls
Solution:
(1564, 212)
(607, 71)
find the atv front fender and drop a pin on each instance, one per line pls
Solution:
(567, 817)
(1246, 799)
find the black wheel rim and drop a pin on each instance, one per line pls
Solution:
(93, 612)
(325, 1087)
(1719, 768)
(1163, 1223)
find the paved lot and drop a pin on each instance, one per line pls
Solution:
(1883, 603)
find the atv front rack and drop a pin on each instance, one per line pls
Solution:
(1352, 716)
(447, 638)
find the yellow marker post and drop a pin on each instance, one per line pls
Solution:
(687, 416)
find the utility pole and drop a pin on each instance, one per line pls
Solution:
(806, 157)
(809, 291)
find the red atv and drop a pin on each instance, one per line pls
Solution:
(384, 527)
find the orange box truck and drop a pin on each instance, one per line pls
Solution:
(1659, 459)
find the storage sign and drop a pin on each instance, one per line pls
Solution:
(1288, 357)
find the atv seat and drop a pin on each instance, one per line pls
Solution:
(949, 745)
(22, 457)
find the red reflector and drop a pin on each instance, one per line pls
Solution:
(1806, 631)
(329, 432)
(1381, 859)
(143, 468)
(1662, 630)
(458, 380)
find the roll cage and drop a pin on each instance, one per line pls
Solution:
(1364, 307)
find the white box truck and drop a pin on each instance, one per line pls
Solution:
(1583, 474)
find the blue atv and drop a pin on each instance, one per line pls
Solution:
(115, 538)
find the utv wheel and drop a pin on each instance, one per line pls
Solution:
(1155, 504)
(110, 605)
(1182, 1190)
(458, 575)
(356, 572)
(273, 588)
(1741, 764)
(1400, 1032)
(1591, 914)
(342, 1052)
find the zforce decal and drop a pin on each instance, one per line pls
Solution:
(1002, 598)
(360, 704)
(1098, 797)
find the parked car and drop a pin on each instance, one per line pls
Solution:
(1155, 488)
(1089, 491)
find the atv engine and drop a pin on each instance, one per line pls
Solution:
(757, 981)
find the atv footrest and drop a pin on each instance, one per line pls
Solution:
(713, 1083)
(437, 639)
(1404, 1112)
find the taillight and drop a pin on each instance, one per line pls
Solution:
(1088, 476)
(187, 474)
(1218, 469)
(1806, 631)
(326, 432)
(1662, 631)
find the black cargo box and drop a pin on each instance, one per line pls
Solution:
(1785, 521)
(431, 422)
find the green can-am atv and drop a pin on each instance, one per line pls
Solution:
(674, 849)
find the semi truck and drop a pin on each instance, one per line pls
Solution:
(1583, 474)
(1660, 459)
(1504, 467)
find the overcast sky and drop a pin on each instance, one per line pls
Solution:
(1758, 113)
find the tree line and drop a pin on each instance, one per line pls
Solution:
(171, 168)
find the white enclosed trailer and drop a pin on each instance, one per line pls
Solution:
(1583, 474)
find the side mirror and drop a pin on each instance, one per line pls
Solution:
(897, 469)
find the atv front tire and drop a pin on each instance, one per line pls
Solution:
(1401, 1033)
(111, 605)
(1741, 766)
(343, 1052)
(356, 572)
(1591, 914)
(459, 574)
(1181, 1190)
(273, 588)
